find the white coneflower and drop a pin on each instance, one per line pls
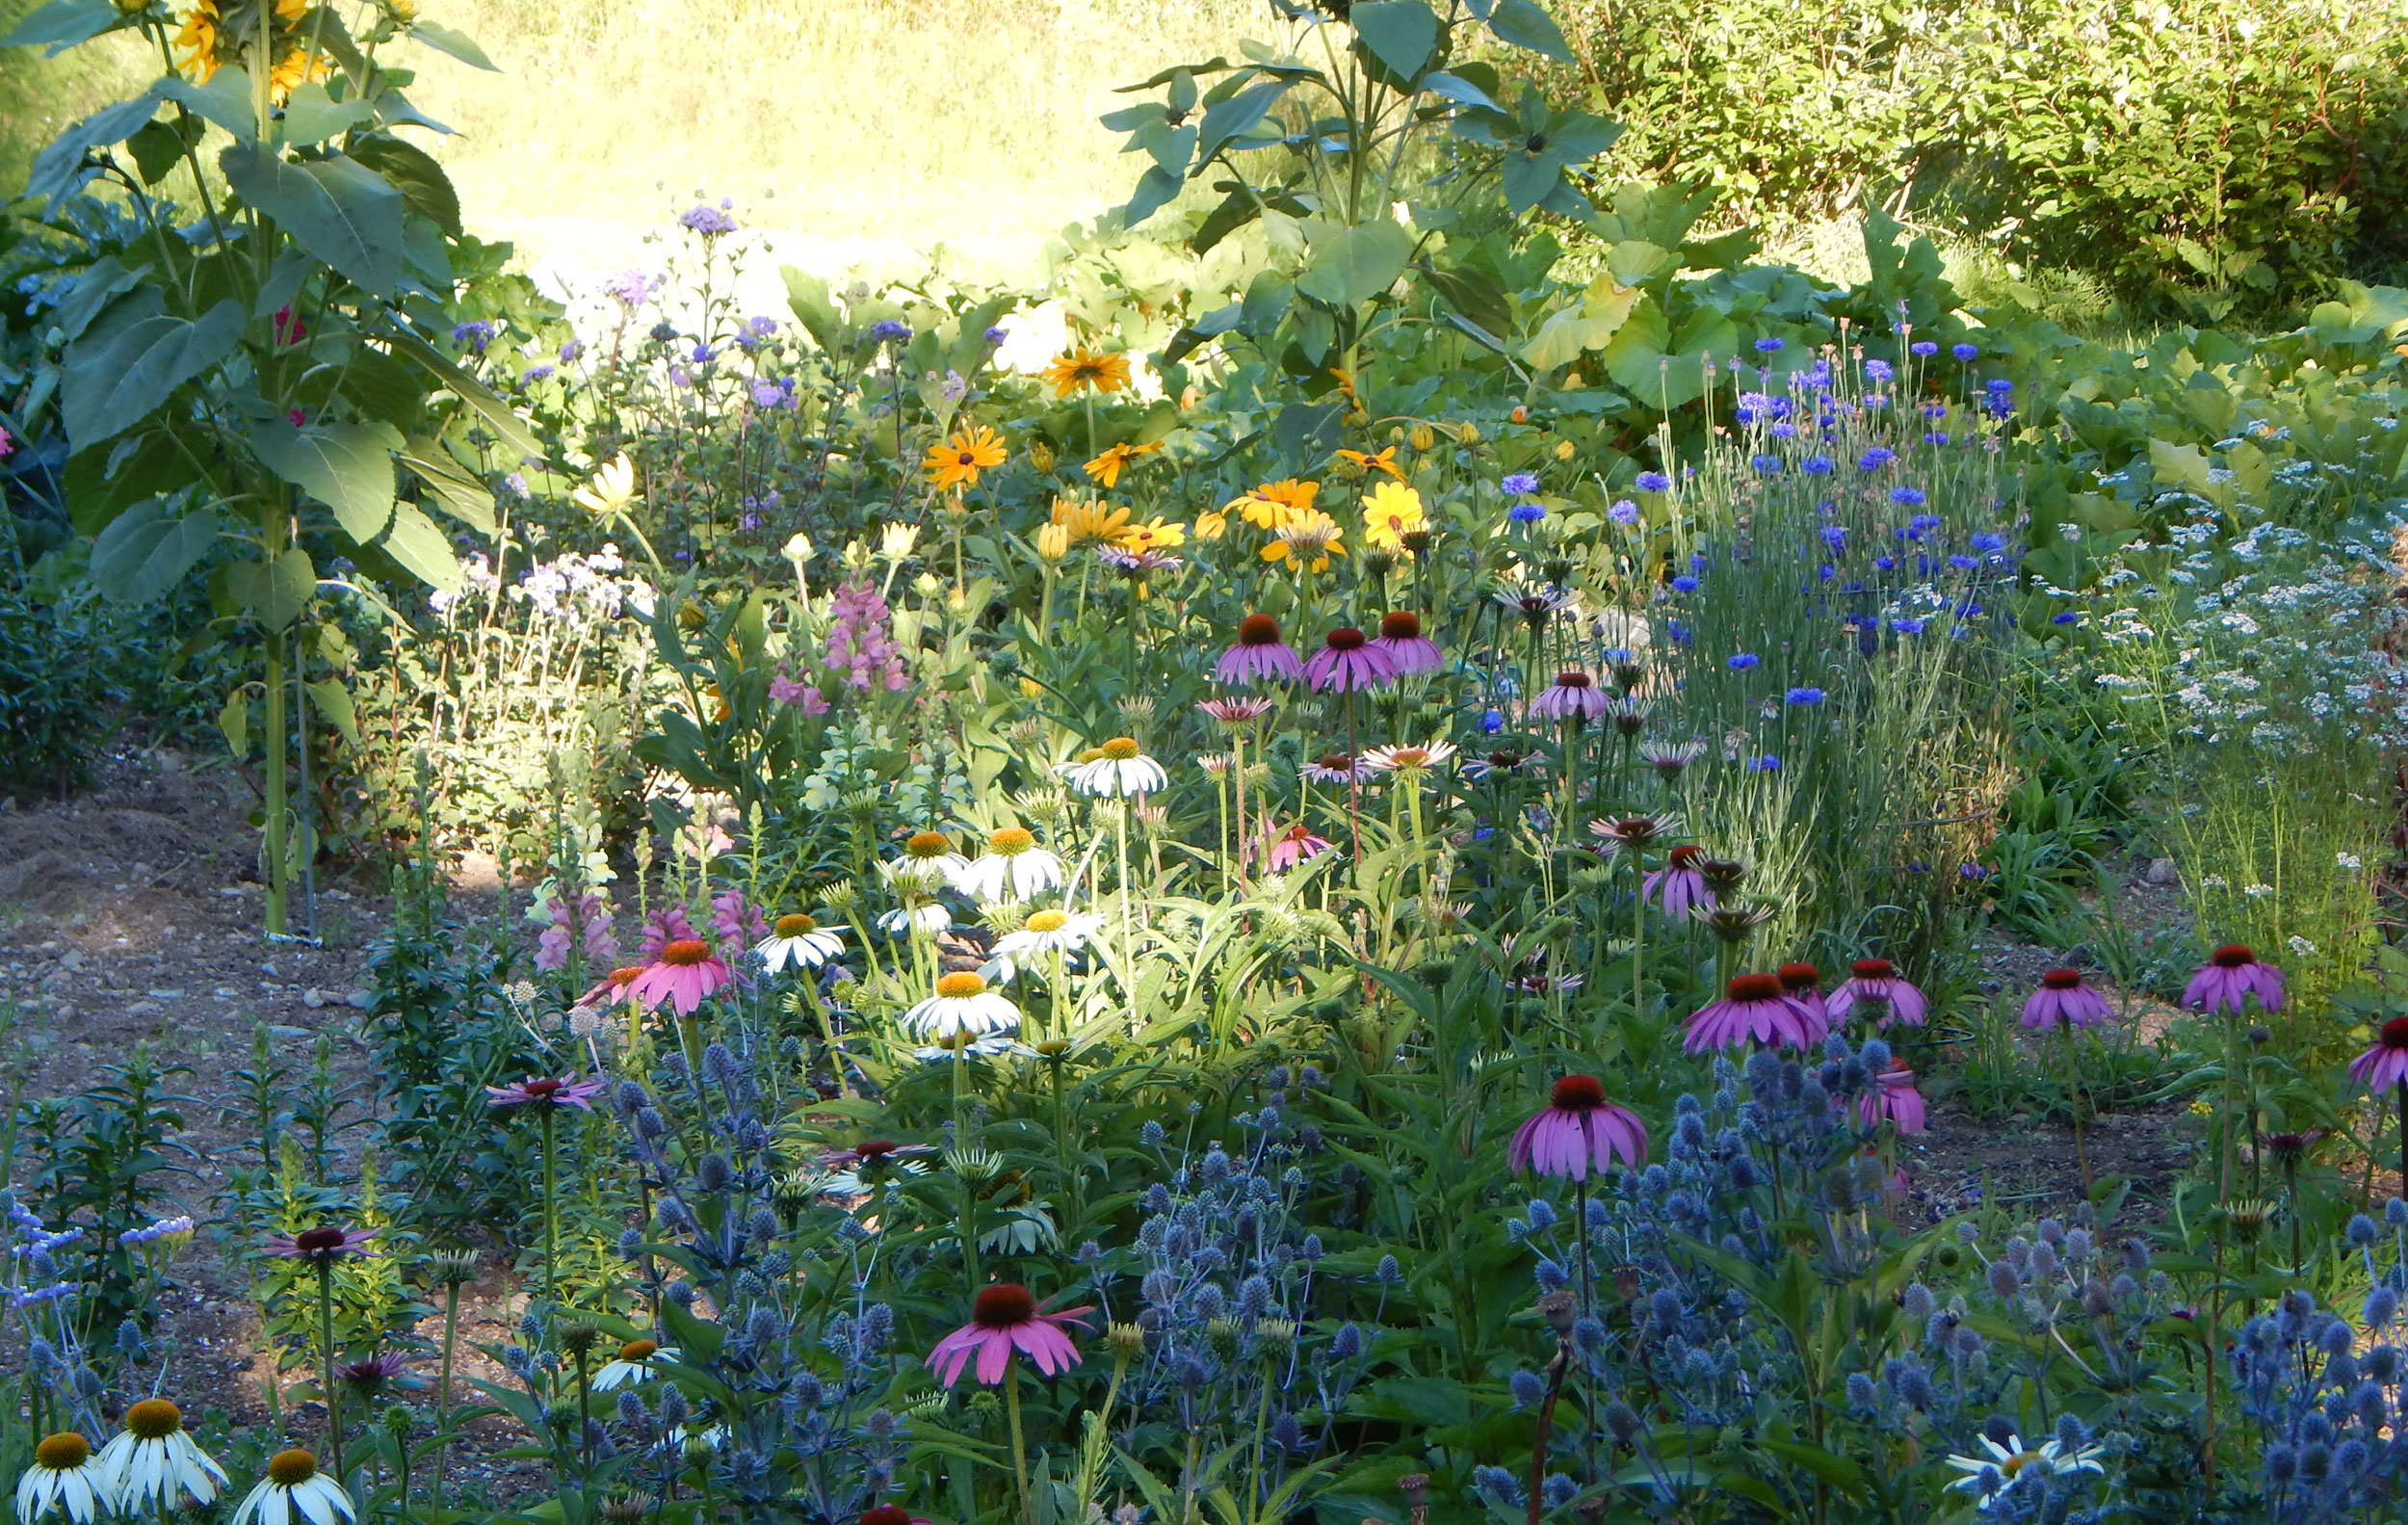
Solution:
(294, 1493)
(152, 1462)
(1118, 769)
(62, 1478)
(1408, 757)
(1013, 867)
(963, 1004)
(797, 942)
(914, 883)
(634, 1365)
(935, 849)
(1049, 931)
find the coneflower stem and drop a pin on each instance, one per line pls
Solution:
(551, 1213)
(443, 1386)
(326, 1345)
(2403, 1134)
(1019, 1451)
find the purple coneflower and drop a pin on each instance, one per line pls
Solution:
(1671, 759)
(1408, 650)
(1680, 885)
(320, 1246)
(1259, 653)
(1347, 662)
(1236, 711)
(2230, 977)
(368, 1375)
(537, 1090)
(1005, 1318)
(2062, 999)
(1875, 979)
(1801, 980)
(1755, 1009)
(1632, 833)
(685, 972)
(1894, 1099)
(1333, 768)
(2386, 1064)
(1477, 766)
(1576, 1129)
(1295, 845)
(1573, 696)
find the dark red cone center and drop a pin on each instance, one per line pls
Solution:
(1003, 1306)
(1577, 1094)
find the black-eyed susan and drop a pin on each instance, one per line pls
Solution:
(1369, 461)
(1084, 520)
(1084, 367)
(1392, 512)
(1155, 534)
(966, 452)
(1105, 468)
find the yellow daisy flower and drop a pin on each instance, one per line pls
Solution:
(957, 462)
(1272, 504)
(1107, 467)
(1154, 536)
(1083, 522)
(1212, 524)
(1385, 460)
(1086, 367)
(1392, 512)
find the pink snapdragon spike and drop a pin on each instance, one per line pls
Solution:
(737, 920)
(1894, 1099)
(1680, 885)
(685, 974)
(786, 689)
(545, 1092)
(2229, 978)
(1574, 696)
(1875, 980)
(586, 918)
(1348, 663)
(320, 1246)
(1005, 1318)
(1755, 1009)
(2063, 1000)
(860, 645)
(1295, 845)
(1576, 1130)
(661, 927)
(1259, 654)
(1409, 650)
(2386, 1064)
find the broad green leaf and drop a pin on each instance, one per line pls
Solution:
(129, 361)
(1402, 34)
(102, 486)
(453, 44)
(1526, 26)
(100, 281)
(1635, 261)
(1634, 357)
(808, 296)
(413, 170)
(334, 702)
(147, 550)
(58, 168)
(273, 592)
(468, 389)
(416, 543)
(1602, 311)
(61, 24)
(224, 101)
(1456, 88)
(336, 209)
(157, 148)
(348, 467)
(1157, 188)
(313, 115)
(1355, 264)
(1238, 115)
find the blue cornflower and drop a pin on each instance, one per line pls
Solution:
(1875, 459)
(1934, 409)
(1998, 383)
(1767, 763)
(1815, 466)
(1965, 351)
(1922, 522)
(1922, 347)
(1697, 562)
(1519, 484)
(1834, 535)
(1908, 627)
(1907, 497)
(1527, 513)
(1825, 572)
(1765, 465)
(1985, 542)
(1961, 561)
(1938, 437)
(1767, 346)
(1783, 430)
(1654, 482)
(889, 328)
(1884, 564)
(1685, 583)
(2065, 617)
(1972, 873)
(1879, 371)
(1803, 697)
(1491, 721)
(1741, 661)
(1678, 631)
(1623, 512)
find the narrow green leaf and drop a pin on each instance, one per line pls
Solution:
(456, 492)
(468, 389)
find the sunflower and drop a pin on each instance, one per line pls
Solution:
(968, 450)
(1086, 367)
(198, 39)
(1308, 539)
(1107, 467)
(1392, 512)
(1154, 536)
(1083, 522)
(296, 68)
(1385, 460)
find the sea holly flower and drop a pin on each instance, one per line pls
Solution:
(1577, 1129)
(1013, 867)
(294, 1493)
(1348, 663)
(1408, 650)
(2063, 1000)
(799, 942)
(1118, 770)
(1755, 1009)
(1259, 654)
(1006, 1318)
(545, 1095)
(685, 974)
(2231, 977)
(962, 1004)
(64, 1478)
(153, 1465)
(1875, 979)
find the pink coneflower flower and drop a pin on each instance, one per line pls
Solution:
(1894, 1099)
(368, 1375)
(1632, 833)
(1408, 649)
(1671, 759)
(1005, 1318)
(1875, 979)
(1577, 1129)
(1347, 663)
(686, 973)
(2386, 1064)
(1574, 696)
(2064, 999)
(1295, 845)
(1801, 980)
(1680, 885)
(1236, 711)
(1754, 1009)
(1333, 768)
(1259, 654)
(2230, 977)
(889, 1515)
(612, 989)
(320, 1246)
(1408, 757)
(1479, 766)
(541, 1091)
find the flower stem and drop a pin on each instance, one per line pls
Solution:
(443, 1388)
(1019, 1450)
(551, 1215)
(326, 1346)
